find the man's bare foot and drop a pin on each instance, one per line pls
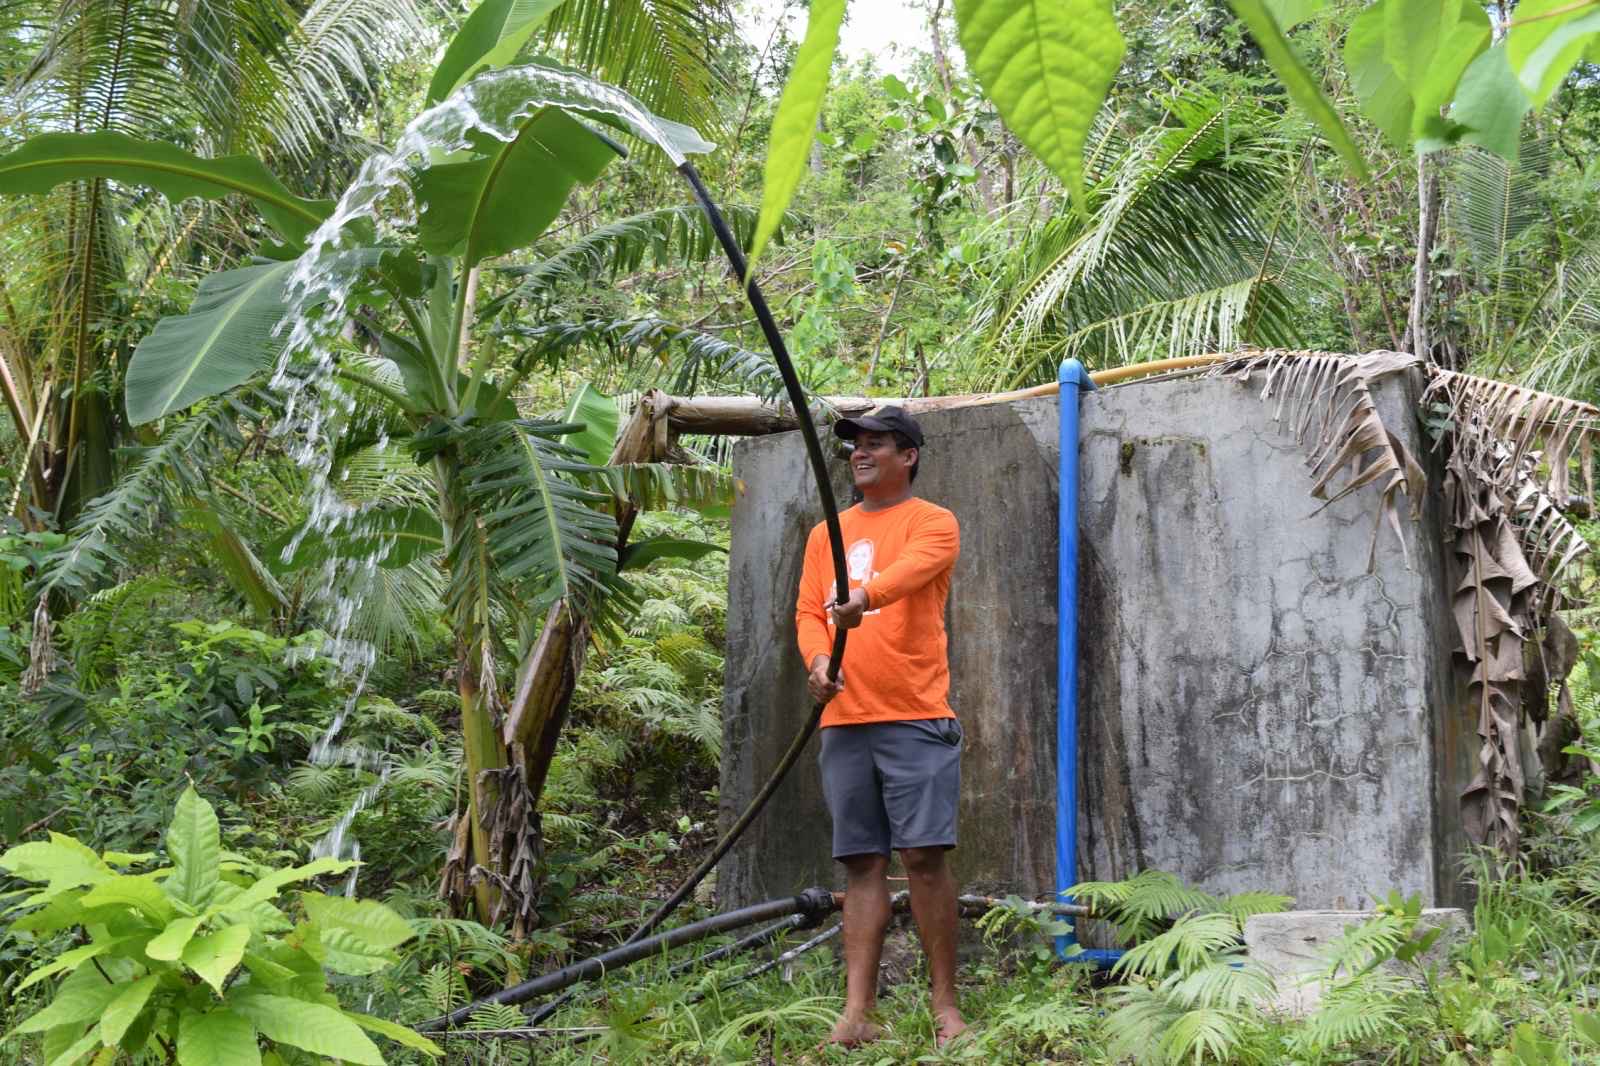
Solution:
(854, 1032)
(948, 1025)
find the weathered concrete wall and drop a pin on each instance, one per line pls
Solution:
(1258, 711)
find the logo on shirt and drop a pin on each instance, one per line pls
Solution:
(858, 563)
(858, 560)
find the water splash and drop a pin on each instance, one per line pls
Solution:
(378, 215)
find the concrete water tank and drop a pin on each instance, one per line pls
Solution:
(1258, 710)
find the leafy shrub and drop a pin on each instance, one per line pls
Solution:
(196, 959)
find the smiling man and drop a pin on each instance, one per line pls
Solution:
(891, 746)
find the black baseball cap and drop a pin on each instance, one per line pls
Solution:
(889, 419)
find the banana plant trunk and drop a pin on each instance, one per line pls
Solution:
(485, 752)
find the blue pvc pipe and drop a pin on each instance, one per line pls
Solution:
(1075, 382)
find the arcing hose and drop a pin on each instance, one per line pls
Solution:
(830, 510)
(813, 902)
(636, 947)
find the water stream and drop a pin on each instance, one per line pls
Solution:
(379, 211)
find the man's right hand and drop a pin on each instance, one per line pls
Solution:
(822, 690)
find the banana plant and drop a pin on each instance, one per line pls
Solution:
(359, 302)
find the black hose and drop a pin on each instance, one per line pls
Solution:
(812, 902)
(754, 940)
(830, 510)
(635, 948)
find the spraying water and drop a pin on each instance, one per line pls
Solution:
(378, 213)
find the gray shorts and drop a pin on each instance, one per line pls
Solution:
(892, 785)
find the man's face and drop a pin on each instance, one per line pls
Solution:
(878, 465)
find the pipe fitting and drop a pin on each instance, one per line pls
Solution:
(815, 904)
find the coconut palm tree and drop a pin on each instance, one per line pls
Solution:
(87, 262)
(1177, 253)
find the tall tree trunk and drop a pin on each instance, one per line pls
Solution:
(1417, 340)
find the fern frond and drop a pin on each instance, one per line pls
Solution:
(1190, 944)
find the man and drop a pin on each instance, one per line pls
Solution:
(890, 745)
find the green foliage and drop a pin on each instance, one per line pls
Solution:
(490, 37)
(226, 338)
(795, 123)
(198, 958)
(1046, 66)
(50, 159)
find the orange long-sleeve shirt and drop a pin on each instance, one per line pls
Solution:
(896, 664)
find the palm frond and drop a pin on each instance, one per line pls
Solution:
(706, 359)
(667, 236)
(1331, 413)
(661, 51)
(533, 534)
(1173, 252)
(1498, 203)
(177, 464)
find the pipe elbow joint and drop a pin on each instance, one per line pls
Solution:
(813, 905)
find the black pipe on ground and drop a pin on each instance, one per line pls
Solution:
(813, 902)
(754, 940)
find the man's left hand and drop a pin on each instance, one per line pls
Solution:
(847, 615)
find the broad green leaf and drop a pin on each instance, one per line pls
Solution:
(368, 920)
(1587, 1025)
(236, 560)
(796, 120)
(224, 340)
(271, 884)
(1046, 65)
(62, 912)
(47, 160)
(645, 552)
(1547, 38)
(76, 1001)
(194, 841)
(1412, 33)
(1490, 104)
(1290, 13)
(1457, 49)
(214, 956)
(74, 1054)
(68, 960)
(1385, 99)
(598, 414)
(491, 37)
(504, 193)
(217, 1038)
(141, 892)
(122, 1011)
(400, 1034)
(311, 1027)
(168, 945)
(1301, 86)
(271, 975)
(61, 863)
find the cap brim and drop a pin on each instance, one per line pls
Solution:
(848, 428)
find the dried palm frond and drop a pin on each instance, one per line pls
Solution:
(1507, 453)
(1328, 401)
